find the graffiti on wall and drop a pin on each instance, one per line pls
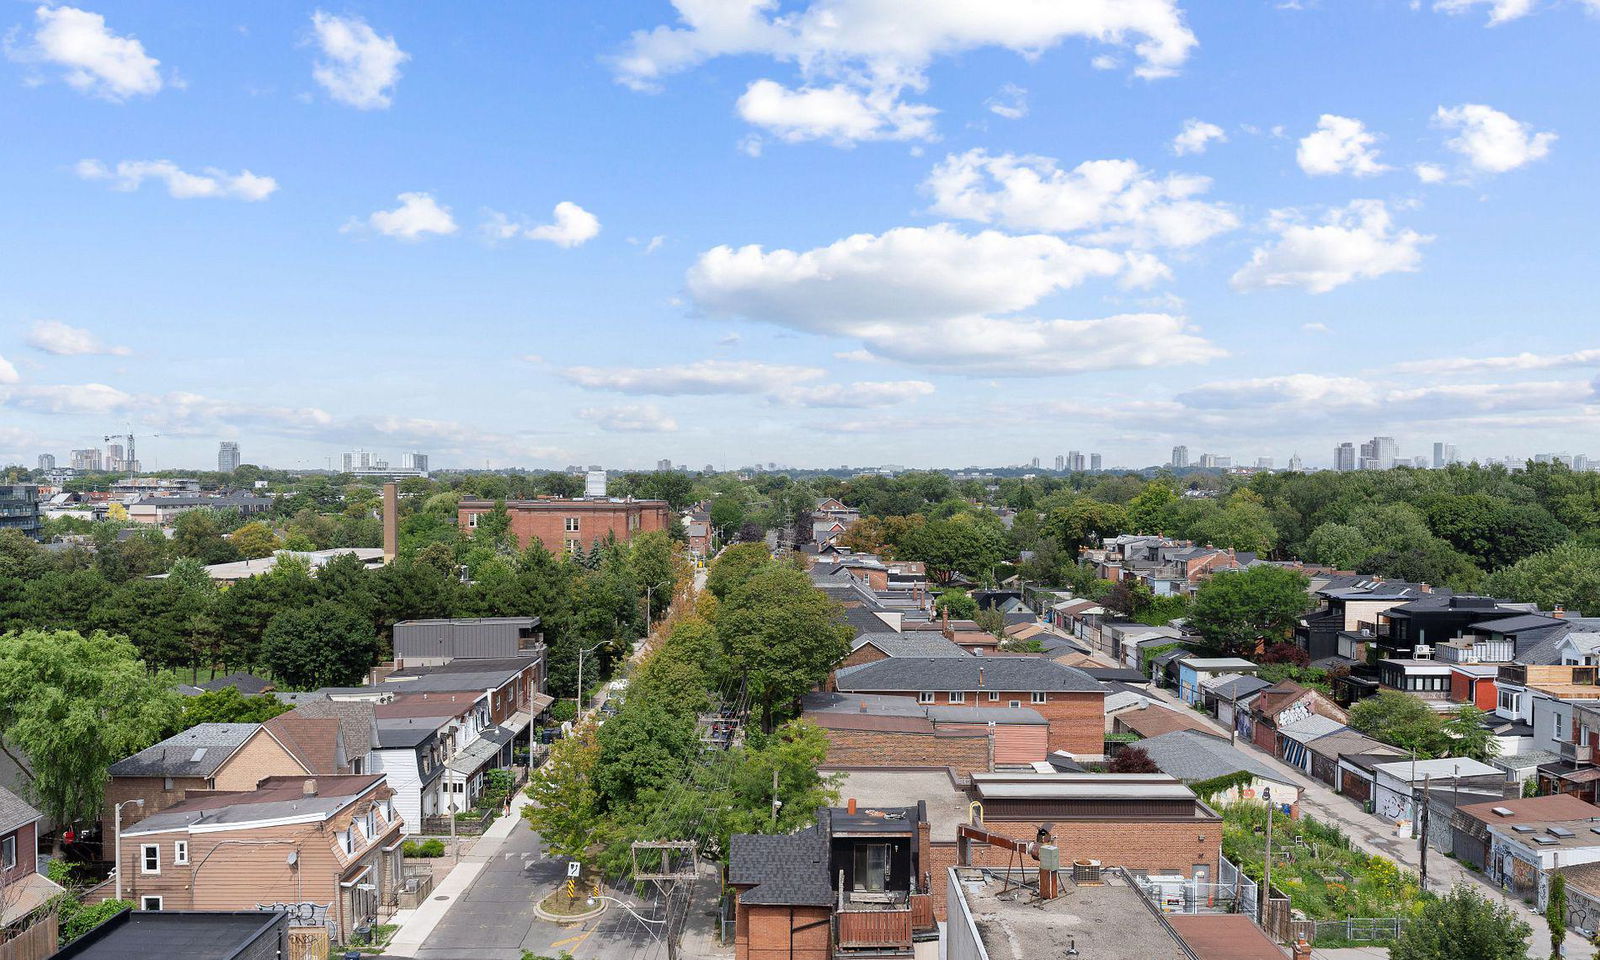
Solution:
(302, 914)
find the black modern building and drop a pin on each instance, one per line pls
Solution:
(19, 510)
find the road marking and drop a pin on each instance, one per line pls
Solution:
(578, 939)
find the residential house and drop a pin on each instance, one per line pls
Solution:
(1469, 826)
(194, 935)
(896, 731)
(881, 645)
(1279, 706)
(1523, 856)
(331, 844)
(1224, 695)
(1350, 605)
(1147, 719)
(1439, 617)
(25, 893)
(1398, 785)
(424, 643)
(1067, 698)
(1294, 738)
(1193, 671)
(1194, 757)
(1327, 749)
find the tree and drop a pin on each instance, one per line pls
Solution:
(646, 747)
(1400, 719)
(228, 705)
(651, 557)
(254, 540)
(326, 645)
(1469, 737)
(960, 544)
(1150, 510)
(958, 604)
(70, 706)
(1568, 576)
(1133, 760)
(783, 634)
(734, 566)
(1463, 925)
(1338, 545)
(1555, 912)
(566, 805)
(1238, 611)
(1243, 524)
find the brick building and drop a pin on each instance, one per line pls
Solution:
(568, 525)
(1070, 701)
(899, 732)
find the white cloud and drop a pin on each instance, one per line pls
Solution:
(1011, 102)
(1339, 145)
(837, 113)
(1354, 242)
(94, 398)
(939, 298)
(1491, 141)
(1123, 201)
(8, 373)
(418, 214)
(1315, 396)
(572, 226)
(360, 68)
(1195, 136)
(1517, 362)
(59, 339)
(1315, 328)
(130, 174)
(1500, 11)
(1429, 172)
(97, 61)
(701, 378)
(863, 394)
(629, 418)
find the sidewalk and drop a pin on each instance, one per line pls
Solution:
(416, 925)
(1375, 836)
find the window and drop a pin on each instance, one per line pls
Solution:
(572, 546)
(166, 783)
(1040, 697)
(994, 696)
(472, 520)
(1555, 728)
(872, 867)
(1510, 700)
(957, 696)
(151, 858)
(1016, 703)
(150, 903)
(572, 524)
(8, 852)
(356, 765)
(180, 852)
(925, 696)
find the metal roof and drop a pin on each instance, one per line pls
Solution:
(1407, 771)
(1190, 755)
(1309, 728)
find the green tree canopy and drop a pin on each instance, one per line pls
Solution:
(1238, 611)
(782, 634)
(325, 645)
(1567, 575)
(1463, 925)
(1402, 720)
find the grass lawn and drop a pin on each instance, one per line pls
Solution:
(1315, 865)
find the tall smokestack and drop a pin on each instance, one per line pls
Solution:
(391, 522)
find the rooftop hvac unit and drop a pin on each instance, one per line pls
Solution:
(1422, 652)
(1085, 872)
(594, 485)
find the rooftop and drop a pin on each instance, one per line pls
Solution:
(1009, 674)
(1534, 810)
(921, 643)
(946, 805)
(1076, 786)
(141, 934)
(196, 752)
(1105, 922)
(1224, 936)
(1444, 768)
(1192, 756)
(277, 798)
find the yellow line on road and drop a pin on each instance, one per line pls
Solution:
(578, 939)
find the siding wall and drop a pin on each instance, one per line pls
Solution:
(259, 758)
(399, 768)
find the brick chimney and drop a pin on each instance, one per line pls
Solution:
(391, 522)
(309, 787)
(1560, 612)
(1302, 950)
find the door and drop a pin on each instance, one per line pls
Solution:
(872, 867)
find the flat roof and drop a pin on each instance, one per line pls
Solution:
(1105, 922)
(1081, 786)
(198, 935)
(947, 806)
(1416, 771)
(1224, 936)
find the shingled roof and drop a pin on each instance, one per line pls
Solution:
(1034, 674)
(921, 643)
(785, 870)
(196, 752)
(15, 811)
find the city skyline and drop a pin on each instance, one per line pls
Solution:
(1256, 231)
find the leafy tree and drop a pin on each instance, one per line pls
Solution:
(1567, 575)
(566, 807)
(1463, 925)
(1555, 912)
(727, 515)
(1243, 524)
(1400, 719)
(1469, 737)
(228, 705)
(963, 544)
(958, 604)
(1149, 512)
(255, 539)
(1238, 611)
(70, 706)
(652, 559)
(197, 534)
(991, 620)
(1083, 520)
(646, 747)
(1286, 652)
(793, 752)
(782, 634)
(1338, 545)
(326, 645)
(1132, 760)
(734, 566)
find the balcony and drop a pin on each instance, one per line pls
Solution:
(888, 927)
(1575, 752)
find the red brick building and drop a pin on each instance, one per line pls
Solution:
(566, 525)
(1070, 701)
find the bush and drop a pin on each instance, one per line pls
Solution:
(77, 919)
(423, 850)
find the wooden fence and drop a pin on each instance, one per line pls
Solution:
(35, 943)
(874, 928)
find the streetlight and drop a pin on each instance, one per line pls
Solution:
(581, 655)
(647, 607)
(116, 833)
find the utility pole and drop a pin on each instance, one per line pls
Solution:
(776, 803)
(1425, 813)
(1266, 868)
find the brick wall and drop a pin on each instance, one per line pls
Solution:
(1077, 720)
(878, 748)
(260, 757)
(156, 795)
(546, 521)
(782, 933)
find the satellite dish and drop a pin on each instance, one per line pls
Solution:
(293, 858)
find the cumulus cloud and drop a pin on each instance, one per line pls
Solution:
(96, 398)
(1429, 172)
(1011, 102)
(571, 226)
(1491, 141)
(1339, 145)
(1500, 11)
(358, 67)
(1516, 362)
(61, 340)
(701, 378)
(879, 49)
(1325, 397)
(629, 418)
(95, 60)
(1196, 136)
(1355, 242)
(417, 215)
(1122, 201)
(8, 373)
(839, 113)
(943, 299)
(863, 394)
(130, 174)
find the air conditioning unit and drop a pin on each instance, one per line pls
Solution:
(1422, 652)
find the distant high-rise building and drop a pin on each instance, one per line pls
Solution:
(1075, 461)
(1180, 457)
(711, 468)
(1581, 463)
(1421, 463)
(1379, 453)
(1444, 454)
(47, 461)
(227, 456)
(1061, 463)
(1094, 461)
(662, 466)
(1034, 463)
(1344, 457)
(1211, 461)
(414, 461)
(86, 460)
(1263, 463)
(1296, 465)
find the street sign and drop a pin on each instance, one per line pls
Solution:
(573, 867)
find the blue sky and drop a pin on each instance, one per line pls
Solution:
(819, 232)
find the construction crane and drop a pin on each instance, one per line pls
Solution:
(130, 455)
